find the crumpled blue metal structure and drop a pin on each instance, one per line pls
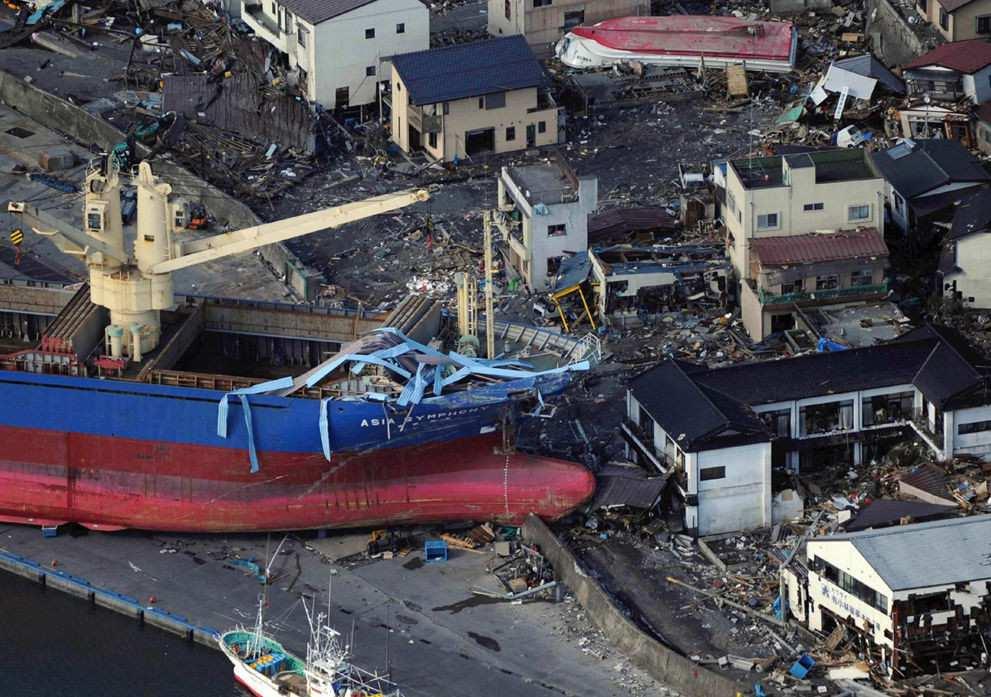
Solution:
(421, 366)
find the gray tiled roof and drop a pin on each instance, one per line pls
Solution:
(469, 70)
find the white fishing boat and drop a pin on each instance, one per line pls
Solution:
(267, 669)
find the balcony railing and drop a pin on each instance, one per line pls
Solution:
(767, 298)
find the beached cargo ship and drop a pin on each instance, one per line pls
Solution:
(118, 417)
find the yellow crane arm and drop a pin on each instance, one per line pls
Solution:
(219, 246)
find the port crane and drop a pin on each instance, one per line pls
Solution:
(135, 284)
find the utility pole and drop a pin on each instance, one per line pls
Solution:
(489, 304)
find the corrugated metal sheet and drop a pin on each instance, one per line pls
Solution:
(819, 247)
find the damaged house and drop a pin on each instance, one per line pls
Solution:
(719, 432)
(549, 206)
(919, 594)
(951, 72)
(474, 99)
(338, 47)
(925, 180)
(792, 273)
(795, 194)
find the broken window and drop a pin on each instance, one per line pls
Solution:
(401, 28)
(553, 265)
(830, 282)
(495, 101)
(709, 473)
(813, 206)
(573, 19)
(557, 230)
(796, 286)
(302, 34)
(646, 425)
(511, 133)
(984, 24)
(814, 419)
(768, 221)
(851, 585)
(432, 139)
(778, 422)
(929, 603)
(944, 19)
(342, 97)
(858, 213)
(369, 33)
(887, 408)
(974, 427)
(861, 277)
(899, 202)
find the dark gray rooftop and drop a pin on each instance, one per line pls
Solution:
(469, 70)
(916, 167)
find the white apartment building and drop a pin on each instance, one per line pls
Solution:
(339, 49)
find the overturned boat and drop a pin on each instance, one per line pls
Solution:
(689, 41)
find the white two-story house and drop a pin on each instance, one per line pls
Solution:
(338, 50)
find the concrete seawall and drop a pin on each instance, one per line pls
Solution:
(662, 663)
(123, 604)
(88, 129)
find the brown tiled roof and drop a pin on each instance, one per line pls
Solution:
(817, 247)
(962, 56)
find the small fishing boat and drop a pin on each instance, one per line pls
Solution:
(267, 669)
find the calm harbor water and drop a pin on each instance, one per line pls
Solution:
(54, 645)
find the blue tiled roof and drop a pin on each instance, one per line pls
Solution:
(469, 70)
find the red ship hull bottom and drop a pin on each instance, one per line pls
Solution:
(109, 483)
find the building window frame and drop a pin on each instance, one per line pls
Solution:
(510, 133)
(858, 212)
(768, 221)
(508, 9)
(817, 206)
(557, 230)
(828, 282)
(370, 71)
(370, 33)
(496, 100)
(944, 19)
(302, 35)
(973, 427)
(401, 28)
(541, 3)
(574, 18)
(861, 277)
(708, 474)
